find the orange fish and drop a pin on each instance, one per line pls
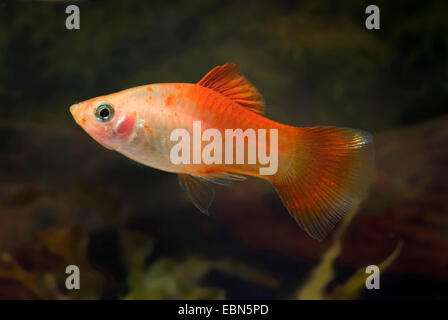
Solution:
(320, 174)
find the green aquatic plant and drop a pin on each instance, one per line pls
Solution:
(169, 278)
(52, 252)
(162, 278)
(315, 286)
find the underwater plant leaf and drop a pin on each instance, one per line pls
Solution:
(135, 247)
(71, 246)
(315, 287)
(323, 273)
(43, 286)
(10, 269)
(245, 272)
(170, 279)
(354, 286)
(167, 278)
(67, 247)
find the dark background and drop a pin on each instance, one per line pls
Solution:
(64, 199)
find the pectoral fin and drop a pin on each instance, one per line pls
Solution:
(199, 190)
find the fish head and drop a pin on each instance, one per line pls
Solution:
(107, 119)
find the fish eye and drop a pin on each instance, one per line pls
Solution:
(104, 111)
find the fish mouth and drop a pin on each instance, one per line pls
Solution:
(73, 109)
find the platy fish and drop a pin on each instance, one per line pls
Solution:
(320, 174)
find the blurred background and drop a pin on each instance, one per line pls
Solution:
(64, 199)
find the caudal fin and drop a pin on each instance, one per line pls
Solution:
(328, 176)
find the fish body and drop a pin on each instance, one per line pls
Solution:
(150, 113)
(321, 173)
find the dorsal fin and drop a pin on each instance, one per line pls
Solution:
(228, 81)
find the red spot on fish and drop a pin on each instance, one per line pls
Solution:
(147, 128)
(149, 89)
(83, 120)
(124, 126)
(169, 100)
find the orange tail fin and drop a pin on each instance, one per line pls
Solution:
(328, 176)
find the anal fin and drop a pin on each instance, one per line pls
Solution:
(199, 190)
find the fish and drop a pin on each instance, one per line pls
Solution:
(322, 172)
